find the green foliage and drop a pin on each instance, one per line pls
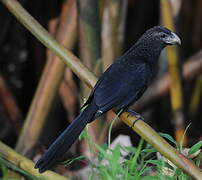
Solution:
(195, 148)
(70, 161)
(140, 162)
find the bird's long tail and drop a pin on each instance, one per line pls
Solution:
(66, 139)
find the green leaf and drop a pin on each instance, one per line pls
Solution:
(149, 150)
(144, 170)
(183, 136)
(156, 162)
(83, 135)
(198, 159)
(131, 149)
(195, 148)
(168, 137)
(70, 161)
(166, 178)
(150, 178)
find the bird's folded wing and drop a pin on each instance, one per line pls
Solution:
(119, 89)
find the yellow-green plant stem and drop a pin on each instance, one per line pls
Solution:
(26, 164)
(195, 98)
(176, 93)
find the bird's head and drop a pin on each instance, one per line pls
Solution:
(152, 42)
(163, 36)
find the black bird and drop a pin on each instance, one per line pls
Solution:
(120, 85)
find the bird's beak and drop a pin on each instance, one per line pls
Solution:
(173, 39)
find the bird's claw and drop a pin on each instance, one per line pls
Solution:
(133, 113)
(138, 118)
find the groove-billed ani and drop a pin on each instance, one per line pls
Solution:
(120, 85)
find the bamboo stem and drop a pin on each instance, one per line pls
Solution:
(195, 98)
(140, 127)
(113, 27)
(176, 93)
(10, 106)
(49, 82)
(196, 43)
(89, 46)
(26, 164)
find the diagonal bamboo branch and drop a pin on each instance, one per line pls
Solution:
(140, 127)
(26, 164)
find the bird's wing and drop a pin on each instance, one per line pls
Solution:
(119, 87)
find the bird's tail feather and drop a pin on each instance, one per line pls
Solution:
(66, 139)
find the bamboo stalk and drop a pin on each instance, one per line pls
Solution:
(89, 45)
(140, 127)
(10, 106)
(71, 88)
(26, 164)
(195, 98)
(89, 34)
(196, 41)
(48, 85)
(113, 27)
(108, 52)
(68, 92)
(176, 93)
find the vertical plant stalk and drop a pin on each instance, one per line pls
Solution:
(196, 43)
(73, 62)
(89, 45)
(49, 82)
(173, 66)
(113, 27)
(196, 96)
(10, 106)
(52, 29)
(89, 33)
(68, 92)
(68, 89)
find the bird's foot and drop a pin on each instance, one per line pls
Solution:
(137, 115)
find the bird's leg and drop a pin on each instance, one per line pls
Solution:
(137, 115)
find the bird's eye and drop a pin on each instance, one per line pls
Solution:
(163, 35)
